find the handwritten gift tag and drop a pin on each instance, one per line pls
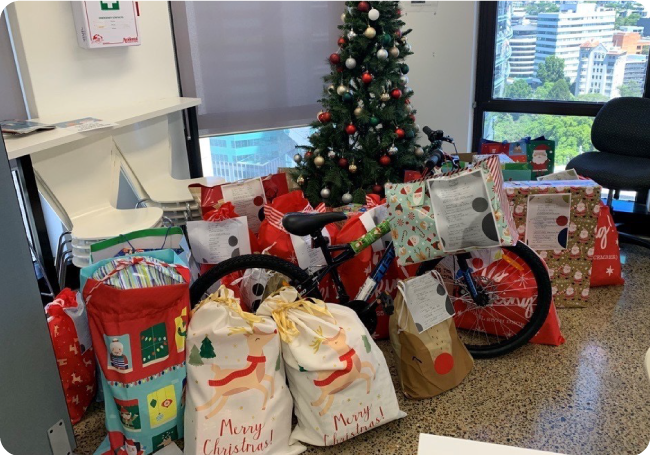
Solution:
(248, 198)
(547, 221)
(308, 257)
(427, 301)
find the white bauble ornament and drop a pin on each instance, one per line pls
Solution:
(370, 33)
(343, 17)
(382, 54)
(319, 161)
(331, 154)
(385, 97)
(373, 14)
(297, 157)
(419, 152)
(394, 52)
(350, 63)
(341, 90)
(392, 150)
(331, 88)
(351, 35)
(346, 198)
(325, 193)
(417, 128)
(403, 80)
(409, 108)
(358, 111)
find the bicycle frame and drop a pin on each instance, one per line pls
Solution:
(349, 250)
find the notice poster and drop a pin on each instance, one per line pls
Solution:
(427, 308)
(249, 199)
(213, 242)
(463, 213)
(547, 221)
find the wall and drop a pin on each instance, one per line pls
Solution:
(12, 105)
(442, 68)
(61, 77)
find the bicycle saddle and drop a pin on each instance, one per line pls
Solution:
(310, 223)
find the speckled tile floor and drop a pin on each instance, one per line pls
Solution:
(589, 396)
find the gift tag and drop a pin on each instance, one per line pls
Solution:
(427, 301)
(216, 241)
(248, 198)
(308, 257)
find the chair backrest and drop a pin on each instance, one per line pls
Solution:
(622, 127)
(146, 148)
(81, 177)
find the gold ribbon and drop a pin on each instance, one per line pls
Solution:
(287, 298)
(226, 297)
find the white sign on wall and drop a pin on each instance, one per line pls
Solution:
(106, 23)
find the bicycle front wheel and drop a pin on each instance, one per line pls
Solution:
(251, 276)
(515, 297)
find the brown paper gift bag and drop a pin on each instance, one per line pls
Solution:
(431, 362)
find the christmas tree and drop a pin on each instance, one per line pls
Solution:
(207, 350)
(195, 357)
(365, 134)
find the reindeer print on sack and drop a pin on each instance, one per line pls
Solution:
(229, 382)
(332, 382)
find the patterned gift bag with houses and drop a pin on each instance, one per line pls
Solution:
(138, 309)
(238, 400)
(337, 375)
(574, 230)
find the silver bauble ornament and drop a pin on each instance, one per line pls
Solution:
(385, 97)
(319, 161)
(419, 152)
(297, 157)
(407, 47)
(352, 168)
(382, 54)
(300, 180)
(394, 52)
(346, 198)
(373, 14)
(350, 63)
(331, 154)
(370, 33)
(409, 108)
(358, 111)
(325, 193)
(392, 150)
(341, 90)
(403, 80)
(351, 35)
(331, 88)
(417, 128)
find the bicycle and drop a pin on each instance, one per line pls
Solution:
(476, 293)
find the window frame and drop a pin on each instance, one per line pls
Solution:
(484, 100)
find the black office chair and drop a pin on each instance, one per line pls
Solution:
(621, 133)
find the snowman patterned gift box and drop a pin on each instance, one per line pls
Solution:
(558, 220)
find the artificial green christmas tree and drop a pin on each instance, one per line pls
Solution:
(365, 134)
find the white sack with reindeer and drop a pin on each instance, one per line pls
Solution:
(237, 398)
(338, 376)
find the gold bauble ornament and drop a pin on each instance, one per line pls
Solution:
(352, 168)
(370, 33)
(300, 180)
(385, 97)
(319, 161)
(358, 111)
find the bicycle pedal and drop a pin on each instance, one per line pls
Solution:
(386, 302)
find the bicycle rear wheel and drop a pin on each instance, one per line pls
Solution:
(252, 276)
(517, 292)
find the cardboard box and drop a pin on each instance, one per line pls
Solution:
(569, 266)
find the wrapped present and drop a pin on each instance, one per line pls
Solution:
(433, 360)
(558, 220)
(68, 324)
(606, 268)
(138, 242)
(237, 397)
(138, 310)
(337, 375)
(450, 213)
(541, 156)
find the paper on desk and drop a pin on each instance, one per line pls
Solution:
(443, 445)
(216, 241)
(547, 221)
(83, 125)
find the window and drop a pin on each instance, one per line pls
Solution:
(566, 84)
(248, 155)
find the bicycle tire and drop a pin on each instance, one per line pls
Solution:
(243, 262)
(544, 298)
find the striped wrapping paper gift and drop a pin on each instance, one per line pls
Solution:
(137, 272)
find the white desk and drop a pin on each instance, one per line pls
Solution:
(442, 445)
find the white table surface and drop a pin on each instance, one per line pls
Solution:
(443, 445)
(29, 144)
